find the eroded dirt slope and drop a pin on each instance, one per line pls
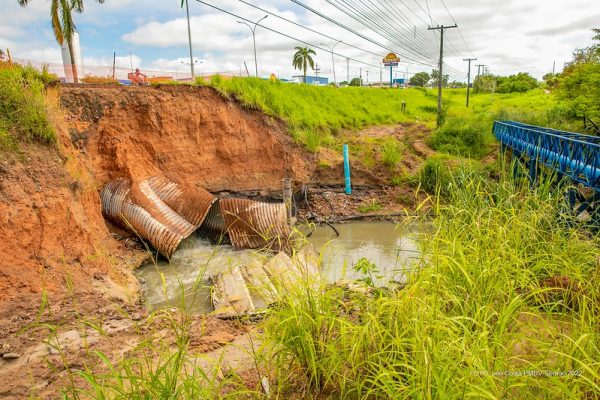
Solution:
(190, 134)
(53, 237)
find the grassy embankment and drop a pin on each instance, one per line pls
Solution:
(504, 304)
(318, 116)
(23, 114)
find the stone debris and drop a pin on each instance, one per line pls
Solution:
(241, 291)
(230, 295)
(11, 356)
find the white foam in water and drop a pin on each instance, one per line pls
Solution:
(390, 248)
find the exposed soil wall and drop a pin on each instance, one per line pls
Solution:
(53, 235)
(190, 134)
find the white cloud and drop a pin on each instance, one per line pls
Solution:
(508, 35)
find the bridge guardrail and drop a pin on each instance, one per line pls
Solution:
(572, 154)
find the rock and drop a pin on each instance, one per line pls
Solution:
(11, 356)
(231, 296)
(136, 317)
(4, 349)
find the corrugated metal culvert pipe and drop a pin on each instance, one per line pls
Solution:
(164, 213)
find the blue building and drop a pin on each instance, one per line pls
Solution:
(312, 80)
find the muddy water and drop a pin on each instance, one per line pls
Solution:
(392, 248)
(164, 283)
(389, 247)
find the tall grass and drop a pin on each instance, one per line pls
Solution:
(481, 316)
(324, 111)
(22, 106)
(391, 153)
(468, 132)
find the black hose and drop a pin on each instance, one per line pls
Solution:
(332, 227)
(315, 216)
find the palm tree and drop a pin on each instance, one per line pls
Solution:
(63, 24)
(302, 59)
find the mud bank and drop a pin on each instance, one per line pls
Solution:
(190, 134)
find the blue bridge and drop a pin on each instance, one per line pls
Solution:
(572, 156)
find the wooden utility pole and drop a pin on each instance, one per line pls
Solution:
(479, 68)
(441, 28)
(469, 77)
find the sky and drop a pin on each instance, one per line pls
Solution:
(508, 36)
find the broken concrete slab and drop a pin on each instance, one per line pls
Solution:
(261, 288)
(230, 295)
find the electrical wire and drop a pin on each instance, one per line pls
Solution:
(286, 35)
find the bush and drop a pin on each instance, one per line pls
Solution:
(103, 80)
(519, 83)
(391, 153)
(22, 106)
(468, 136)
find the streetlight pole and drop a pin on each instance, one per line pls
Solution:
(332, 48)
(187, 10)
(253, 29)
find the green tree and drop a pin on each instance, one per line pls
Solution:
(484, 84)
(434, 78)
(63, 24)
(355, 82)
(579, 83)
(519, 83)
(303, 59)
(419, 79)
(551, 79)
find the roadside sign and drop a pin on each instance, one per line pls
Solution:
(391, 58)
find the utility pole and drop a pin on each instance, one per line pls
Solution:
(360, 76)
(187, 10)
(469, 77)
(332, 48)
(114, 63)
(553, 67)
(347, 71)
(253, 29)
(367, 77)
(479, 68)
(441, 28)
(317, 70)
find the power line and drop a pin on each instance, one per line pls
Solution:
(308, 29)
(284, 34)
(353, 11)
(459, 31)
(383, 46)
(361, 14)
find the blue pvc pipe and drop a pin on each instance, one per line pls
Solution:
(347, 170)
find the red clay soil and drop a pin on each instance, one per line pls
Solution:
(54, 241)
(191, 135)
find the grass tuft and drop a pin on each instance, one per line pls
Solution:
(22, 106)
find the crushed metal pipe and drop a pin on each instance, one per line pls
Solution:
(156, 210)
(165, 213)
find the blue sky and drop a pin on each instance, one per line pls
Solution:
(508, 36)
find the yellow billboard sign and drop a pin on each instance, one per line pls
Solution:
(391, 58)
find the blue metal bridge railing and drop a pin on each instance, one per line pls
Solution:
(572, 155)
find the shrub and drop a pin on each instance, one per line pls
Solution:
(102, 80)
(391, 153)
(22, 106)
(468, 136)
